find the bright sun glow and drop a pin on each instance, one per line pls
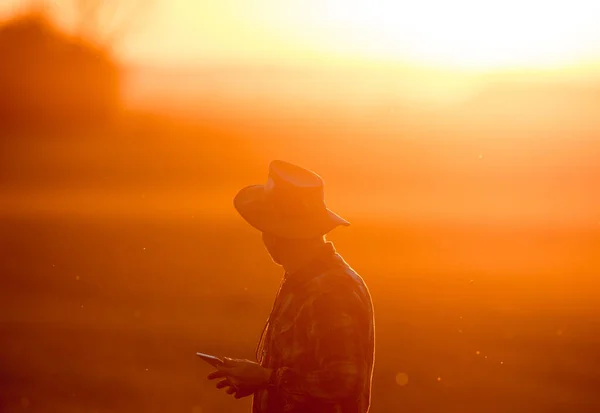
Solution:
(466, 33)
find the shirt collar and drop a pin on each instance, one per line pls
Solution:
(324, 256)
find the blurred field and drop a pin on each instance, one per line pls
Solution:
(105, 315)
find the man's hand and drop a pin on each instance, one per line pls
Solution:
(242, 377)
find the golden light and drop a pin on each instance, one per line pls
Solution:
(466, 33)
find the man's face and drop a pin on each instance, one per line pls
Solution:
(271, 244)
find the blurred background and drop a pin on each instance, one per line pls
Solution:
(459, 138)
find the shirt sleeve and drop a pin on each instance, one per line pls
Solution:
(334, 338)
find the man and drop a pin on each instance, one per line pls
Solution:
(316, 352)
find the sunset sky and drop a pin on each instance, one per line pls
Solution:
(466, 34)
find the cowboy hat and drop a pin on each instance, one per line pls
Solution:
(290, 205)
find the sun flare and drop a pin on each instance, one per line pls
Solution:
(465, 33)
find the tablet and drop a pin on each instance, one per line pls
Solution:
(212, 360)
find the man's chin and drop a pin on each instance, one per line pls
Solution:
(274, 259)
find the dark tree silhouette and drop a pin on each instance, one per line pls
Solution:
(63, 76)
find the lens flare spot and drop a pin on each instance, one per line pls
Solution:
(401, 379)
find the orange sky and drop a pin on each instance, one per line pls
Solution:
(467, 34)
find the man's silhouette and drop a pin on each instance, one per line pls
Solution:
(316, 352)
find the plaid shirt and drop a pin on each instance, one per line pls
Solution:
(319, 339)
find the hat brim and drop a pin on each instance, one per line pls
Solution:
(251, 203)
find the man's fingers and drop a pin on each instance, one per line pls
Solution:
(231, 390)
(217, 374)
(223, 383)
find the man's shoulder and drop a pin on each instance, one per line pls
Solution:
(339, 289)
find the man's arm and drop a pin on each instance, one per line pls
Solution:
(335, 338)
